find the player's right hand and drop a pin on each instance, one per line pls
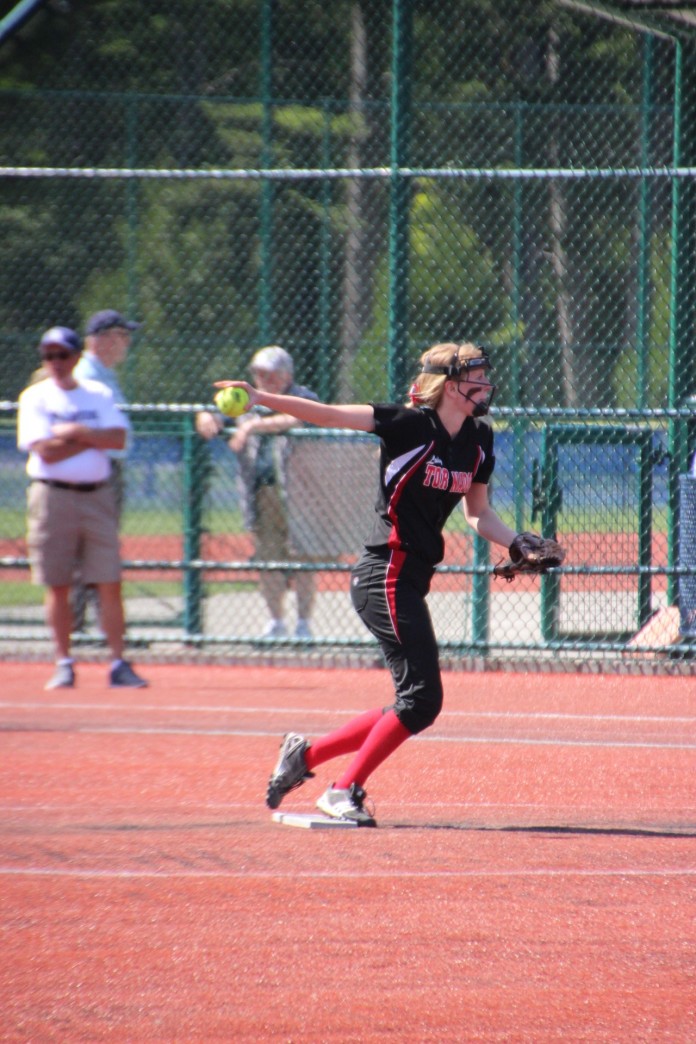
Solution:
(251, 391)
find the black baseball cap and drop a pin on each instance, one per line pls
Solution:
(109, 320)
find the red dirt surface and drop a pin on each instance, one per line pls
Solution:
(531, 878)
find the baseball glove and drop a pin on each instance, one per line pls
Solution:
(530, 553)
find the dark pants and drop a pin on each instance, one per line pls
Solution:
(388, 592)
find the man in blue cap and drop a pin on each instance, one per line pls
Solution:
(108, 337)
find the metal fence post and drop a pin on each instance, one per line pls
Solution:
(196, 470)
(267, 186)
(402, 32)
(480, 596)
(681, 368)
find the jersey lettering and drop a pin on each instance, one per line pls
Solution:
(461, 481)
(74, 416)
(435, 476)
(441, 478)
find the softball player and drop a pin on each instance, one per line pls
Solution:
(435, 452)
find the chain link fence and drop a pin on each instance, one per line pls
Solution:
(356, 181)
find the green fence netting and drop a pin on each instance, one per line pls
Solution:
(355, 181)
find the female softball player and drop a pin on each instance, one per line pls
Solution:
(435, 452)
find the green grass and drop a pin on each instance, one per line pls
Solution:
(172, 589)
(613, 519)
(170, 523)
(13, 522)
(18, 593)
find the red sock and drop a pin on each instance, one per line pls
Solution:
(344, 740)
(386, 735)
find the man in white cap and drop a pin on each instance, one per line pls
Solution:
(262, 457)
(67, 428)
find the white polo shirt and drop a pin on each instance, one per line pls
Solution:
(44, 404)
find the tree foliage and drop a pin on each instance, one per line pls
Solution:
(214, 266)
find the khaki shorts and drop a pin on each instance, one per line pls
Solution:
(272, 540)
(271, 530)
(67, 529)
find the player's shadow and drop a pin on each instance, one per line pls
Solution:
(558, 831)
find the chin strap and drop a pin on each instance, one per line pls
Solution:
(480, 408)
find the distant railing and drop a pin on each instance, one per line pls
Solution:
(602, 479)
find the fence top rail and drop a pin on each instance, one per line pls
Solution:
(8, 406)
(135, 97)
(594, 413)
(334, 173)
(523, 412)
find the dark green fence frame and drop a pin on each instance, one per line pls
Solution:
(543, 505)
(548, 498)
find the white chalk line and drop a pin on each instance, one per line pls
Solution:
(509, 716)
(460, 807)
(37, 871)
(552, 741)
(345, 712)
(346, 875)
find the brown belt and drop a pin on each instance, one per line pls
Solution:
(78, 487)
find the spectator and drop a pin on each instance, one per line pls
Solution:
(67, 427)
(262, 460)
(107, 339)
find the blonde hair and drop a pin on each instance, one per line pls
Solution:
(427, 388)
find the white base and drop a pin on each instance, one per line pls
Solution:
(311, 820)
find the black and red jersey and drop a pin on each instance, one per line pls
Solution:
(424, 473)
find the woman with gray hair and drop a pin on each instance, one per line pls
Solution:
(262, 451)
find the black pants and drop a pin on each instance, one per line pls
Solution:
(389, 591)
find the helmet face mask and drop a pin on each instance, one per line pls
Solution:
(481, 406)
(459, 370)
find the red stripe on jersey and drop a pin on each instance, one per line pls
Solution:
(394, 540)
(394, 567)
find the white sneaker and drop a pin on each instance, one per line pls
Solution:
(63, 677)
(275, 629)
(346, 804)
(302, 630)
